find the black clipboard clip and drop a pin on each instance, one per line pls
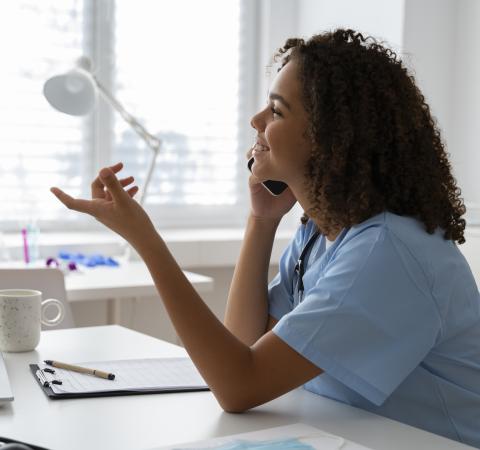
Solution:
(43, 379)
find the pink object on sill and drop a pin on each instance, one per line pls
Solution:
(26, 257)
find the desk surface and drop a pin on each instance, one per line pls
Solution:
(149, 421)
(130, 279)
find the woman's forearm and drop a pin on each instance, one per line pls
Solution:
(222, 359)
(247, 306)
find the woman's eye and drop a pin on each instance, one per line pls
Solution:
(275, 112)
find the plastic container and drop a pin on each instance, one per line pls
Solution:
(33, 236)
(4, 252)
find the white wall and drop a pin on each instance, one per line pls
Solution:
(381, 19)
(464, 140)
(442, 44)
(441, 38)
(428, 49)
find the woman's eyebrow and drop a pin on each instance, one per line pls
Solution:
(274, 96)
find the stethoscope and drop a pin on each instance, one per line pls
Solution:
(302, 264)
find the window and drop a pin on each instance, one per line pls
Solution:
(188, 95)
(179, 66)
(38, 147)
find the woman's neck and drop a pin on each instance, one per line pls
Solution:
(302, 197)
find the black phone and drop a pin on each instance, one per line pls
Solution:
(272, 186)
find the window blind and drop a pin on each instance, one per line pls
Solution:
(176, 65)
(177, 69)
(38, 146)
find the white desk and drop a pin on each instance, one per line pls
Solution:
(149, 421)
(128, 280)
(115, 284)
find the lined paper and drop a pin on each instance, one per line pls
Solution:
(130, 375)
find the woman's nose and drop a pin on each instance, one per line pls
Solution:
(257, 122)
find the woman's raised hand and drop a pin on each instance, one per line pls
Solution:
(263, 203)
(113, 205)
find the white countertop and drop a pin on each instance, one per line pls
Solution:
(149, 421)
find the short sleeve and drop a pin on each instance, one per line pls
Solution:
(280, 289)
(370, 319)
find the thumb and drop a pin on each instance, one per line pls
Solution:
(112, 184)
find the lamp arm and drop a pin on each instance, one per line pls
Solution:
(152, 141)
(141, 200)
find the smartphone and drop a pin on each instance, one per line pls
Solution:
(272, 186)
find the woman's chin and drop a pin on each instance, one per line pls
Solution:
(261, 161)
(260, 172)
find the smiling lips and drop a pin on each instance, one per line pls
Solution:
(258, 147)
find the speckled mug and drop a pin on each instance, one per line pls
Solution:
(22, 312)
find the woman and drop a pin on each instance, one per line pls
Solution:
(381, 311)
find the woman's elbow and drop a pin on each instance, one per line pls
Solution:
(236, 404)
(233, 410)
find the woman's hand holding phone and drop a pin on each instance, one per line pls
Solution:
(265, 203)
(272, 186)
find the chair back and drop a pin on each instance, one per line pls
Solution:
(49, 281)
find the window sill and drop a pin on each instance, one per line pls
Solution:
(191, 248)
(213, 247)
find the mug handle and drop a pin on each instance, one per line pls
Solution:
(60, 315)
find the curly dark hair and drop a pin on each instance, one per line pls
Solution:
(376, 146)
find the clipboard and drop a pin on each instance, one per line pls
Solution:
(133, 377)
(4, 440)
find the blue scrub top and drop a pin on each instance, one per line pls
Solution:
(392, 315)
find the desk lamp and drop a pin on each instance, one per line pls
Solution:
(75, 93)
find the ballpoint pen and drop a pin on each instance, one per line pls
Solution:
(94, 372)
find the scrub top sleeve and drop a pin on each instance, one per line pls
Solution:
(369, 320)
(280, 289)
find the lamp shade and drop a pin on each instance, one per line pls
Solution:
(72, 93)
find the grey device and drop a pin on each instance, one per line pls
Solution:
(6, 394)
(272, 186)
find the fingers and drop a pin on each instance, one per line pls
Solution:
(132, 191)
(124, 182)
(112, 183)
(252, 180)
(117, 167)
(97, 186)
(72, 203)
(106, 186)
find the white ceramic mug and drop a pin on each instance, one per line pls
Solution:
(22, 312)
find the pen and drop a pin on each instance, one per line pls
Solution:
(94, 372)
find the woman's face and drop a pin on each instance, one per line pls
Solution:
(282, 150)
